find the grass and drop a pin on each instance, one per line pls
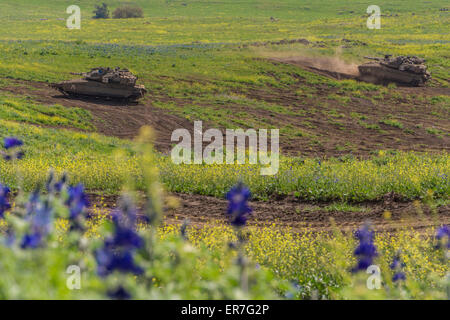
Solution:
(170, 24)
(393, 123)
(344, 207)
(28, 111)
(434, 131)
(371, 126)
(440, 99)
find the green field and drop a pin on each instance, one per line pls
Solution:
(174, 27)
(348, 148)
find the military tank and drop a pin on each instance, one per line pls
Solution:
(409, 70)
(103, 82)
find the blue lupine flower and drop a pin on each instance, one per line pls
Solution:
(12, 142)
(15, 155)
(443, 232)
(398, 276)
(77, 201)
(363, 264)
(442, 236)
(396, 263)
(32, 204)
(119, 294)
(19, 155)
(41, 217)
(366, 250)
(109, 260)
(117, 253)
(51, 186)
(31, 241)
(4, 203)
(59, 185)
(365, 234)
(126, 238)
(125, 235)
(238, 209)
(397, 266)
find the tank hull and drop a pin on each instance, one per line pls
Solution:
(99, 89)
(376, 72)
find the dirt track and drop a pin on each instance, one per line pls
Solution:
(204, 210)
(297, 215)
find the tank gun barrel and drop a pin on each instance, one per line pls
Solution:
(373, 58)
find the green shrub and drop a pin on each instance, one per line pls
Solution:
(101, 11)
(128, 12)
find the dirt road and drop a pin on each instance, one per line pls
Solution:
(387, 215)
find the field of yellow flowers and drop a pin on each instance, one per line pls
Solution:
(108, 163)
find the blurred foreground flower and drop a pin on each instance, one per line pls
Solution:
(117, 253)
(238, 209)
(9, 144)
(397, 266)
(366, 250)
(12, 142)
(119, 294)
(4, 203)
(77, 201)
(443, 237)
(40, 226)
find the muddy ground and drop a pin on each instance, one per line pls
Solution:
(387, 215)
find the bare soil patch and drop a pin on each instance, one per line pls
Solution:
(301, 216)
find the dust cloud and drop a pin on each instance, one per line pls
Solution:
(330, 64)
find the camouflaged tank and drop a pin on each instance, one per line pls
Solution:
(103, 82)
(402, 69)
